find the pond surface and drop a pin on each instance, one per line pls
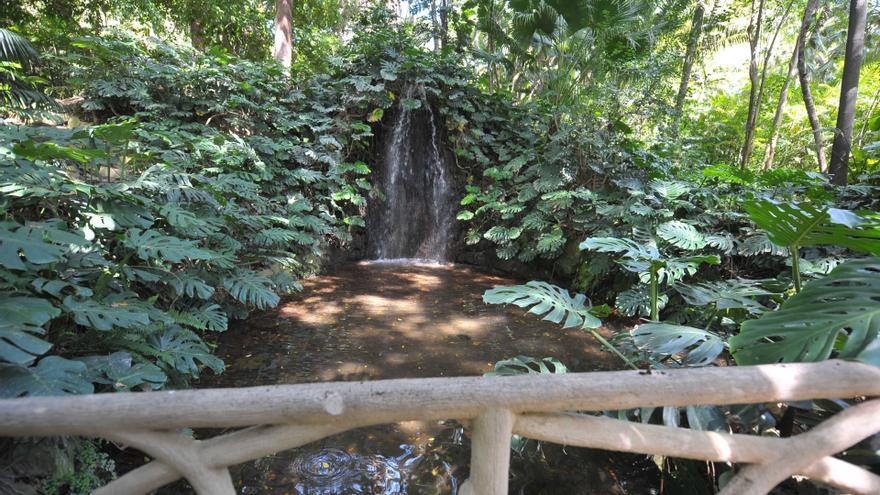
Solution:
(374, 321)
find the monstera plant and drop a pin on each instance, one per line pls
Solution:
(796, 225)
(558, 306)
(837, 315)
(646, 259)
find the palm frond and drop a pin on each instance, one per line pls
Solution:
(16, 48)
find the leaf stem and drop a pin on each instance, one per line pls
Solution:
(796, 268)
(655, 311)
(611, 348)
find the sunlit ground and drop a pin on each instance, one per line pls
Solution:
(379, 321)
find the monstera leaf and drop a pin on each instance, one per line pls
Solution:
(840, 312)
(627, 247)
(121, 372)
(555, 303)
(104, 316)
(636, 301)
(793, 225)
(37, 243)
(698, 347)
(725, 294)
(681, 235)
(21, 319)
(150, 244)
(53, 375)
(183, 350)
(525, 365)
(249, 287)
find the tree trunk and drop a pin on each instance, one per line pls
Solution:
(811, 107)
(444, 22)
(435, 28)
(196, 36)
(770, 153)
(283, 49)
(849, 91)
(754, 34)
(690, 56)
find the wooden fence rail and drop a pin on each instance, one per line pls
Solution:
(275, 418)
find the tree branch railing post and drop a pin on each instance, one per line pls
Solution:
(280, 417)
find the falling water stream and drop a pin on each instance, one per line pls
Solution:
(413, 218)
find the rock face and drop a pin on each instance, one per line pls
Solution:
(415, 218)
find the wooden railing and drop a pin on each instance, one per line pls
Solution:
(536, 406)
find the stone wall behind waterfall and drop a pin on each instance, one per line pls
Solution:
(415, 216)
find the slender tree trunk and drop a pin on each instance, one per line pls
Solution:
(770, 152)
(283, 49)
(435, 28)
(196, 36)
(754, 33)
(689, 57)
(444, 22)
(811, 107)
(849, 91)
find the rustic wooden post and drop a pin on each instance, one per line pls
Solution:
(490, 453)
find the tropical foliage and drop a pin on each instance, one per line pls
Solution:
(162, 177)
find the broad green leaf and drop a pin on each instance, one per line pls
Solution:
(636, 301)
(26, 310)
(249, 287)
(184, 351)
(696, 347)
(37, 243)
(682, 235)
(21, 319)
(522, 365)
(101, 316)
(122, 373)
(555, 303)
(726, 294)
(411, 103)
(839, 313)
(52, 375)
(52, 151)
(151, 244)
(802, 224)
(19, 345)
(207, 317)
(627, 247)
(186, 283)
(669, 189)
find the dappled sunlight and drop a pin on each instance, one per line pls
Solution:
(312, 310)
(383, 306)
(374, 321)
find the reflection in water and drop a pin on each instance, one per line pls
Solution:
(332, 472)
(364, 462)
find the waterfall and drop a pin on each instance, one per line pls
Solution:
(414, 219)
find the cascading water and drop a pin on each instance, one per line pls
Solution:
(416, 215)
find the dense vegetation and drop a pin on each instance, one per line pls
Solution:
(161, 175)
